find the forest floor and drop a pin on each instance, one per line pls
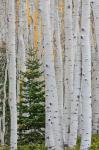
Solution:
(94, 146)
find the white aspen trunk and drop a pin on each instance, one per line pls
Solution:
(52, 5)
(41, 38)
(80, 116)
(49, 137)
(94, 62)
(58, 65)
(86, 76)
(93, 54)
(52, 114)
(12, 72)
(77, 77)
(68, 69)
(31, 30)
(61, 18)
(21, 42)
(80, 100)
(25, 23)
(95, 9)
(21, 52)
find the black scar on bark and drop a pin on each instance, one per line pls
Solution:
(83, 29)
(50, 104)
(47, 137)
(50, 147)
(66, 145)
(69, 6)
(46, 65)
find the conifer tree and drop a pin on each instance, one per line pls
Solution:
(31, 120)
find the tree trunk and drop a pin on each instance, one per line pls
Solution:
(95, 106)
(68, 69)
(12, 72)
(53, 128)
(58, 64)
(77, 77)
(86, 76)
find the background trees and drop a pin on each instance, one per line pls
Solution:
(65, 35)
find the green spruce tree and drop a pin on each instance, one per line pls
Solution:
(31, 108)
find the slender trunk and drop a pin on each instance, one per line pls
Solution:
(31, 30)
(21, 52)
(25, 22)
(77, 77)
(58, 64)
(68, 69)
(86, 76)
(52, 114)
(12, 72)
(95, 9)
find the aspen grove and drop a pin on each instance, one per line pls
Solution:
(49, 74)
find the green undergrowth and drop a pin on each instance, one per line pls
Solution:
(26, 147)
(33, 147)
(94, 146)
(95, 142)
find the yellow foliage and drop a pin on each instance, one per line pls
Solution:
(61, 6)
(28, 13)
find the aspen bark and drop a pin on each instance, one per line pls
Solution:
(52, 114)
(77, 77)
(95, 9)
(58, 64)
(68, 69)
(12, 72)
(86, 76)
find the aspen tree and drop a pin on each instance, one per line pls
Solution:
(12, 72)
(49, 137)
(31, 29)
(58, 64)
(21, 50)
(35, 18)
(25, 22)
(77, 77)
(94, 74)
(68, 68)
(95, 10)
(52, 114)
(86, 76)
(21, 42)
